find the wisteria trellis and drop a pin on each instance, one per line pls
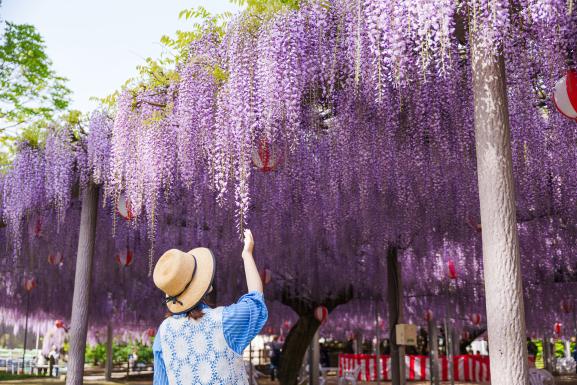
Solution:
(370, 105)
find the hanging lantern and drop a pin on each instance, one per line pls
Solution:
(475, 319)
(566, 306)
(29, 284)
(557, 328)
(428, 315)
(59, 324)
(124, 259)
(321, 313)
(124, 208)
(265, 158)
(151, 332)
(55, 258)
(565, 95)
(38, 228)
(265, 276)
(452, 270)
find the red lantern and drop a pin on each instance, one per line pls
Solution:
(29, 284)
(565, 95)
(566, 306)
(38, 228)
(452, 269)
(124, 259)
(265, 158)
(151, 332)
(265, 276)
(124, 208)
(59, 324)
(55, 259)
(428, 315)
(475, 319)
(557, 328)
(321, 313)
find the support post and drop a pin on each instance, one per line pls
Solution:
(251, 374)
(378, 348)
(433, 353)
(501, 259)
(37, 337)
(449, 352)
(547, 355)
(314, 360)
(395, 316)
(108, 370)
(358, 342)
(26, 331)
(82, 281)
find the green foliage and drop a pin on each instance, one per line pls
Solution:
(96, 354)
(15, 377)
(267, 6)
(560, 348)
(29, 88)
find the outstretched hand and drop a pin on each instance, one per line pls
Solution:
(248, 243)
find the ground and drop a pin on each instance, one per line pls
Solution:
(565, 380)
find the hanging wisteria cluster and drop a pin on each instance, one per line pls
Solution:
(336, 132)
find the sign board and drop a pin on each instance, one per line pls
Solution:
(406, 334)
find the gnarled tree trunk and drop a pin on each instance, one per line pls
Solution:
(301, 334)
(295, 347)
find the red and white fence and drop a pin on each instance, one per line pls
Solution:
(465, 368)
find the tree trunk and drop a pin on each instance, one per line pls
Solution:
(547, 354)
(395, 293)
(82, 281)
(433, 353)
(315, 360)
(295, 347)
(502, 270)
(108, 370)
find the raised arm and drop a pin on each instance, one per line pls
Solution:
(253, 281)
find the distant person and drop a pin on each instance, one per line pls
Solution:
(133, 360)
(350, 346)
(386, 347)
(41, 362)
(274, 354)
(197, 343)
(53, 357)
(575, 354)
(532, 351)
(324, 356)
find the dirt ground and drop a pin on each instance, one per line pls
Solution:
(564, 380)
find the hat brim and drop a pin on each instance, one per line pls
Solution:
(200, 284)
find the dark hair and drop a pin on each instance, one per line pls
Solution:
(195, 313)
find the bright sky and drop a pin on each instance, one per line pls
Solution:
(97, 44)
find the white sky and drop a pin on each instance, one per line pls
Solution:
(97, 44)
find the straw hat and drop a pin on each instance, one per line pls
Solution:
(184, 277)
